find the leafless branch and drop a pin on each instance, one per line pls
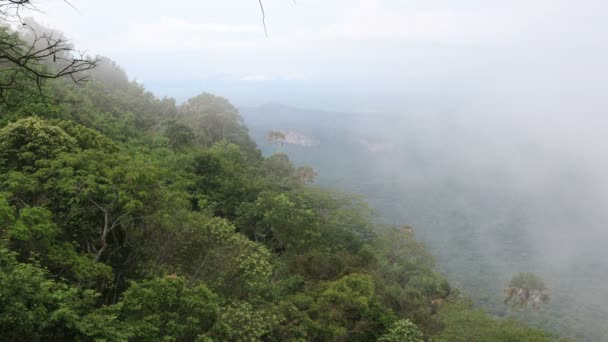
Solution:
(263, 17)
(10, 10)
(30, 62)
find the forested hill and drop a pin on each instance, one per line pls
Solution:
(467, 190)
(124, 217)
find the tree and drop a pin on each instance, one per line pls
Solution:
(279, 222)
(245, 322)
(178, 134)
(34, 307)
(10, 9)
(25, 65)
(45, 56)
(116, 226)
(306, 175)
(405, 278)
(526, 289)
(462, 323)
(281, 172)
(27, 141)
(112, 192)
(210, 250)
(276, 137)
(223, 179)
(167, 309)
(214, 118)
(342, 310)
(402, 331)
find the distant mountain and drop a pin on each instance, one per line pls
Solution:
(342, 142)
(458, 183)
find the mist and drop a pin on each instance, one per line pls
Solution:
(493, 114)
(503, 155)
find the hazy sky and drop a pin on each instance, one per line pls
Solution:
(509, 94)
(392, 42)
(312, 39)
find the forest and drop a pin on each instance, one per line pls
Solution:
(127, 217)
(481, 231)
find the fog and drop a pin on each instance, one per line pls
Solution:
(495, 110)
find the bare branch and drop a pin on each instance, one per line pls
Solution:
(263, 17)
(28, 59)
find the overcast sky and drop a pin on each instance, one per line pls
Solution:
(226, 37)
(511, 92)
(384, 45)
(527, 77)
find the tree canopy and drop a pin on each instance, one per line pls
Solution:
(124, 217)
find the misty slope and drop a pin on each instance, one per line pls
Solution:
(488, 202)
(127, 217)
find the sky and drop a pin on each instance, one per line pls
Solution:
(512, 93)
(342, 48)
(308, 39)
(535, 67)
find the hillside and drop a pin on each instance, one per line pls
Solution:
(459, 187)
(125, 217)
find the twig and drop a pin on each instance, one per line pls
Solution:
(263, 17)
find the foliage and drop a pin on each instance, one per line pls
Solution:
(214, 119)
(525, 289)
(124, 217)
(27, 141)
(464, 324)
(34, 306)
(167, 309)
(402, 331)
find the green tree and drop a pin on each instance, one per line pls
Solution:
(279, 222)
(342, 310)
(463, 323)
(35, 308)
(126, 218)
(203, 248)
(246, 322)
(224, 178)
(402, 331)
(165, 309)
(526, 289)
(179, 134)
(26, 65)
(27, 141)
(214, 119)
(276, 137)
(110, 192)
